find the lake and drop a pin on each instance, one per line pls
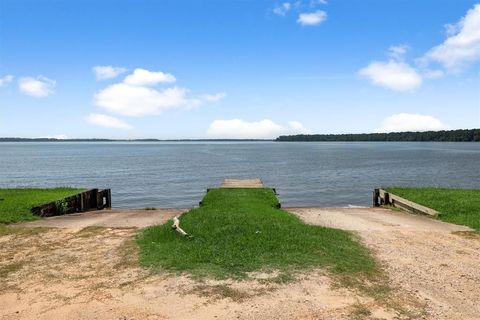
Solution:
(177, 174)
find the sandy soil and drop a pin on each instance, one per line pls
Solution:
(91, 273)
(437, 262)
(116, 218)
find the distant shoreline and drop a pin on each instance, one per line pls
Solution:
(129, 140)
(460, 135)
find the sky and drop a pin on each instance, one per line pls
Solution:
(237, 69)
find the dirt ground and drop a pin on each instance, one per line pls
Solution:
(437, 262)
(75, 272)
(115, 218)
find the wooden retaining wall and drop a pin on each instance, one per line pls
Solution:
(93, 199)
(382, 197)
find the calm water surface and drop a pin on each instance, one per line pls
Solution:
(177, 174)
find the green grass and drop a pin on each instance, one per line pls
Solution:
(237, 231)
(459, 206)
(16, 203)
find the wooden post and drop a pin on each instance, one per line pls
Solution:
(109, 198)
(80, 202)
(386, 198)
(376, 195)
(99, 200)
(93, 199)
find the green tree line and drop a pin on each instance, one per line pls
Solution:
(469, 135)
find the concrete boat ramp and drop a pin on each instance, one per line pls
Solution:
(435, 263)
(111, 218)
(354, 219)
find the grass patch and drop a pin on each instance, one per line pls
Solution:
(128, 254)
(359, 311)
(10, 268)
(15, 204)
(90, 231)
(220, 291)
(6, 230)
(237, 231)
(459, 206)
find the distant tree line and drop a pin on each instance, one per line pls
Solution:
(14, 139)
(467, 135)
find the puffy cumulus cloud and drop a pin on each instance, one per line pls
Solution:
(462, 45)
(6, 79)
(37, 87)
(213, 97)
(142, 77)
(135, 96)
(312, 18)
(107, 121)
(137, 101)
(107, 72)
(282, 9)
(240, 129)
(411, 122)
(395, 75)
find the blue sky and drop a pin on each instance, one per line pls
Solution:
(236, 69)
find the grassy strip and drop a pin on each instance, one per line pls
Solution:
(15, 204)
(237, 231)
(459, 206)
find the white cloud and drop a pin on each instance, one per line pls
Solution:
(462, 45)
(312, 18)
(107, 121)
(142, 77)
(55, 136)
(411, 122)
(6, 79)
(282, 9)
(136, 98)
(107, 72)
(395, 75)
(36, 87)
(297, 127)
(137, 101)
(314, 3)
(240, 129)
(213, 97)
(398, 52)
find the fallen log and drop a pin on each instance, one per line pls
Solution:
(176, 227)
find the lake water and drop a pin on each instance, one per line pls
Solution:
(177, 174)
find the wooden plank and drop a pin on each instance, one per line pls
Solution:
(84, 201)
(242, 183)
(387, 198)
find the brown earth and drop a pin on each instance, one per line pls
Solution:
(74, 272)
(437, 262)
(115, 218)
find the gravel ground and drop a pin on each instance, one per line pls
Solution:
(437, 262)
(72, 272)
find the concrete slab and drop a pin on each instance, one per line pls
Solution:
(242, 183)
(115, 218)
(372, 219)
